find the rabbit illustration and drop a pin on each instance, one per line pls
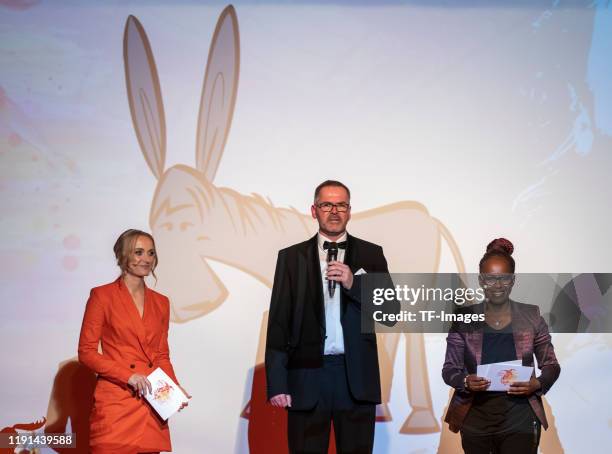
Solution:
(194, 221)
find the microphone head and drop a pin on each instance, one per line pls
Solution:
(332, 253)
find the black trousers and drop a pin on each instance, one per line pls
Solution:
(522, 441)
(308, 431)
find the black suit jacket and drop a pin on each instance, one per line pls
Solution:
(296, 325)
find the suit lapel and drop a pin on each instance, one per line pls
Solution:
(521, 332)
(315, 280)
(150, 323)
(476, 336)
(350, 256)
(350, 259)
(136, 323)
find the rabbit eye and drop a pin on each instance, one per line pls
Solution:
(185, 225)
(167, 226)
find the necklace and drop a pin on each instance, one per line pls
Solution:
(494, 321)
(497, 320)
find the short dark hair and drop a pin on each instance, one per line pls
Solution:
(331, 183)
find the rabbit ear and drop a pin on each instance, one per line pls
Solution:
(218, 93)
(144, 95)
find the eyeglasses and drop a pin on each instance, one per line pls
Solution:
(326, 207)
(491, 279)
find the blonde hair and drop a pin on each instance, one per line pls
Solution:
(124, 247)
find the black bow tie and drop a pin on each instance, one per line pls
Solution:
(334, 245)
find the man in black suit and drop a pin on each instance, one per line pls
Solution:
(319, 365)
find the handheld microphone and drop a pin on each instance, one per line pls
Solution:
(332, 254)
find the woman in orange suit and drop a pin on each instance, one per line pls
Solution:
(131, 322)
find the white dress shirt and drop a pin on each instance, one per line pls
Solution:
(334, 336)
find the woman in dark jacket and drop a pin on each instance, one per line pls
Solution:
(499, 422)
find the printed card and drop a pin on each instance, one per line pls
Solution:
(503, 374)
(167, 397)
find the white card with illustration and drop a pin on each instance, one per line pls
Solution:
(503, 374)
(166, 397)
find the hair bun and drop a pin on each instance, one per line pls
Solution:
(502, 245)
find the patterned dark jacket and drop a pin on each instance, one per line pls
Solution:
(464, 353)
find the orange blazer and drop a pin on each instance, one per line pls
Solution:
(120, 422)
